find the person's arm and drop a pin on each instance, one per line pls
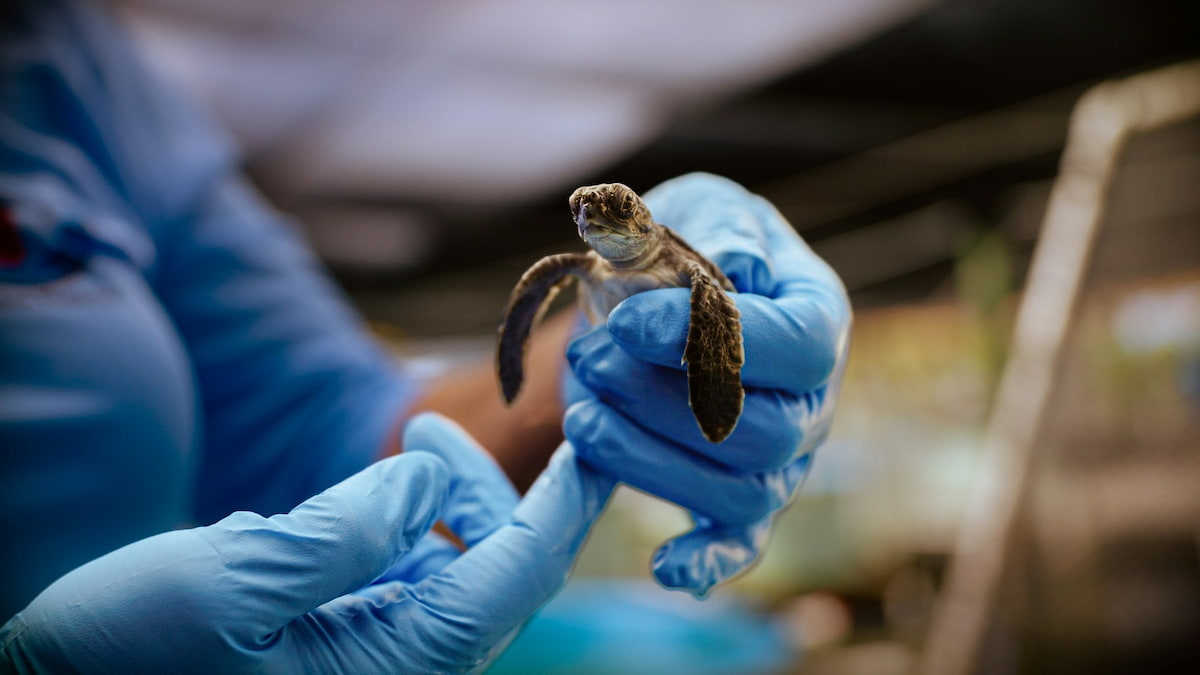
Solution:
(289, 373)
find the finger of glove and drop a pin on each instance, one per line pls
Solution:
(572, 389)
(429, 555)
(606, 440)
(492, 588)
(758, 249)
(383, 628)
(481, 498)
(332, 544)
(708, 555)
(767, 435)
(790, 343)
(714, 552)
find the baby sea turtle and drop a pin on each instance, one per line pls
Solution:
(631, 253)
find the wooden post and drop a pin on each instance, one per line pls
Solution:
(1102, 121)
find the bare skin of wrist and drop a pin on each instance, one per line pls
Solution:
(522, 436)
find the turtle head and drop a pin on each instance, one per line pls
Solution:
(613, 220)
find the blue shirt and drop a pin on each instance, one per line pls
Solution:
(169, 349)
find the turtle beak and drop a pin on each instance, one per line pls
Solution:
(581, 219)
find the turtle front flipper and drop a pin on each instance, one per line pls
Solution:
(714, 356)
(529, 299)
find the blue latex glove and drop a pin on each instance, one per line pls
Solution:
(289, 593)
(795, 325)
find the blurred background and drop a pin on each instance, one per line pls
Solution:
(427, 149)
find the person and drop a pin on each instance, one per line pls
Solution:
(198, 464)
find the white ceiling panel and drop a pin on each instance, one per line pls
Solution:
(473, 135)
(490, 100)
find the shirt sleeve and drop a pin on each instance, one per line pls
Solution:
(294, 394)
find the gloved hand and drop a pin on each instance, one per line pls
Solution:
(289, 593)
(795, 325)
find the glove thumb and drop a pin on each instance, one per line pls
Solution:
(221, 592)
(335, 543)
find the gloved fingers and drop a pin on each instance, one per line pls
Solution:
(481, 498)
(771, 428)
(572, 389)
(708, 555)
(619, 447)
(762, 254)
(499, 583)
(334, 543)
(563, 503)
(429, 555)
(790, 343)
(387, 628)
(422, 615)
(713, 552)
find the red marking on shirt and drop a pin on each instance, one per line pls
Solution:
(12, 250)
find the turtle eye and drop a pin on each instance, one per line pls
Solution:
(625, 211)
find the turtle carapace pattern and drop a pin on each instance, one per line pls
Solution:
(631, 253)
